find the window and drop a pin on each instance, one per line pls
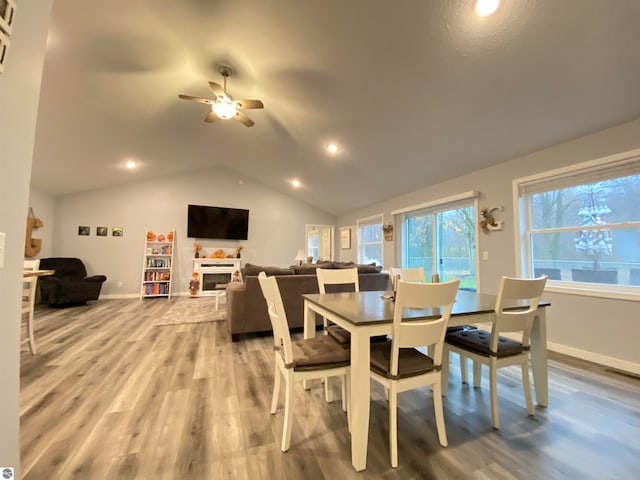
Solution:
(370, 240)
(441, 238)
(581, 226)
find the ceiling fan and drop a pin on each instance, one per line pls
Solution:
(223, 105)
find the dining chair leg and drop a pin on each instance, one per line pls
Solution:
(288, 413)
(493, 385)
(439, 412)
(527, 387)
(32, 339)
(328, 392)
(477, 374)
(444, 373)
(276, 389)
(463, 368)
(343, 383)
(393, 426)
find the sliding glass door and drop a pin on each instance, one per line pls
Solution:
(443, 241)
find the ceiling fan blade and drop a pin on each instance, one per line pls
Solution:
(212, 117)
(217, 89)
(244, 119)
(195, 99)
(249, 104)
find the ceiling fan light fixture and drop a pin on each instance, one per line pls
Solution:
(224, 108)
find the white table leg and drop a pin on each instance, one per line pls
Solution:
(539, 358)
(360, 395)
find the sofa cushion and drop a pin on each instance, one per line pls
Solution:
(253, 270)
(342, 265)
(309, 268)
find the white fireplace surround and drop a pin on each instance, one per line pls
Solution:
(204, 266)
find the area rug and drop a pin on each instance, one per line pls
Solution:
(193, 310)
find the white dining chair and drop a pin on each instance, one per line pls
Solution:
(496, 351)
(28, 301)
(412, 274)
(337, 276)
(399, 366)
(311, 358)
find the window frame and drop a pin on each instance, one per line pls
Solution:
(582, 173)
(365, 222)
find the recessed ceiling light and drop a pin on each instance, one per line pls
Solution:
(332, 148)
(296, 183)
(131, 164)
(486, 7)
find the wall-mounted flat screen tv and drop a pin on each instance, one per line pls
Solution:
(217, 222)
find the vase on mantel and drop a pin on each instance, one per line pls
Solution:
(194, 292)
(197, 254)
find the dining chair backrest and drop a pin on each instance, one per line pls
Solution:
(394, 273)
(412, 274)
(438, 297)
(337, 276)
(32, 264)
(277, 316)
(525, 290)
(29, 286)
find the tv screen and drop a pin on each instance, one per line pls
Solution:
(217, 222)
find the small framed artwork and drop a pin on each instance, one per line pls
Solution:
(345, 238)
(102, 231)
(7, 10)
(84, 230)
(117, 231)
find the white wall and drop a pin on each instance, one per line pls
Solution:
(43, 208)
(276, 224)
(602, 330)
(19, 93)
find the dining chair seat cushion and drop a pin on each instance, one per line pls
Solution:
(457, 328)
(411, 362)
(343, 336)
(339, 334)
(318, 353)
(479, 341)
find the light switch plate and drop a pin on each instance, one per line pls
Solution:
(3, 238)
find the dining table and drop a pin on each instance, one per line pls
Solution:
(368, 314)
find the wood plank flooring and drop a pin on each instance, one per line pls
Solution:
(111, 396)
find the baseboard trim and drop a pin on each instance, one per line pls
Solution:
(616, 363)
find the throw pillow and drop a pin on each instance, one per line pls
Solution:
(369, 268)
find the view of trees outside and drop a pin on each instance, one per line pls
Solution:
(578, 244)
(370, 240)
(452, 232)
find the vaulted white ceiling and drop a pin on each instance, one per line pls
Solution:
(413, 91)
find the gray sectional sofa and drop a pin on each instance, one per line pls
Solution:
(247, 309)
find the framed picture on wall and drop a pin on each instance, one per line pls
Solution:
(84, 230)
(117, 231)
(102, 231)
(345, 238)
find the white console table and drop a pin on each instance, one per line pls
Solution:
(222, 268)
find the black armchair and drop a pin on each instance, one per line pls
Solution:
(70, 285)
